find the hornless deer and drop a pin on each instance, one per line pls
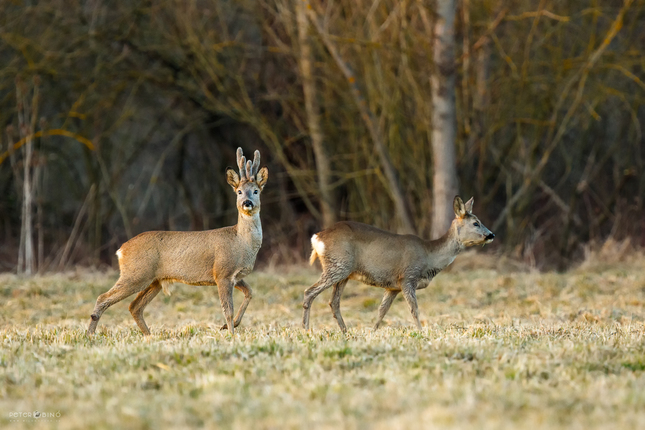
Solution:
(352, 250)
(222, 257)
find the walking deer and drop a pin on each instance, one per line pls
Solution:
(352, 250)
(222, 257)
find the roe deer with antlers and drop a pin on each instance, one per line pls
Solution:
(351, 250)
(219, 257)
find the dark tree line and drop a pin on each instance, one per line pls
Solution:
(121, 117)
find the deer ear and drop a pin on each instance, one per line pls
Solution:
(469, 205)
(232, 178)
(458, 206)
(262, 177)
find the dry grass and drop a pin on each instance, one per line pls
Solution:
(498, 350)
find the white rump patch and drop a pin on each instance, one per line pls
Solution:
(119, 254)
(317, 245)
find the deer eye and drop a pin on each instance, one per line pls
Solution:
(476, 224)
(255, 192)
(239, 191)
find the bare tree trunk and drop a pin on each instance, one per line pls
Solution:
(27, 124)
(23, 219)
(465, 80)
(64, 258)
(38, 187)
(41, 236)
(402, 211)
(37, 196)
(27, 210)
(482, 61)
(442, 81)
(323, 166)
(480, 107)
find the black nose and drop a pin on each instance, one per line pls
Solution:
(248, 203)
(490, 236)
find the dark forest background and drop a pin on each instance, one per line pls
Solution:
(120, 117)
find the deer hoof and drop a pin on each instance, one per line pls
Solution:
(225, 326)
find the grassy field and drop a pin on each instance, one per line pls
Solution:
(500, 348)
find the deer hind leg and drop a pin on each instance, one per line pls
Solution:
(248, 295)
(410, 294)
(225, 291)
(388, 299)
(335, 304)
(122, 289)
(140, 302)
(326, 280)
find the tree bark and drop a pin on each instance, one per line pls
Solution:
(27, 125)
(442, 81)
(27, 260)
(323, 165)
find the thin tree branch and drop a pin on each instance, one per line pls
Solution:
(394, 186)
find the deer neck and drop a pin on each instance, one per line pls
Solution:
(444, 250)
(249, 229)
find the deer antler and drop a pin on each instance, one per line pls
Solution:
(256, 163)
(248, 169)
(241, 163)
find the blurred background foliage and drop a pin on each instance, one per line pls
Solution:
(133, 110)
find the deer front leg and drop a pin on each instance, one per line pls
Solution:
(248, 295)
(225, 291)
(388, 299)
(410, 294)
